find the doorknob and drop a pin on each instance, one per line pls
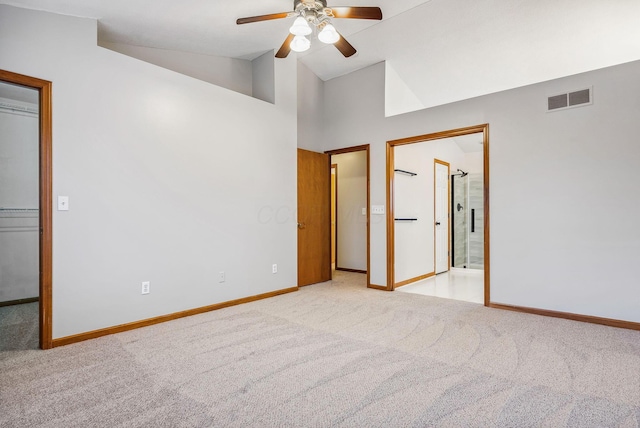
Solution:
(437, 223)
(301, 225)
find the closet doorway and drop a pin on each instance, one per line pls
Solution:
(26, 204)
(350, 209)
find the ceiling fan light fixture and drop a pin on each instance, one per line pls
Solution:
(314, 17)
(300, 27)
(300, 44)
(329, 35)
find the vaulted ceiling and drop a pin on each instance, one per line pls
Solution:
(443, 50)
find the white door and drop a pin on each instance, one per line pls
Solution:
(441, 215)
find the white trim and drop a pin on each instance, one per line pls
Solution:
(15, 107)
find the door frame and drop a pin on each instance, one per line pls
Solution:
(45, 209)
(435, 254)
(363, 147)
(334, 213)
(484, 129)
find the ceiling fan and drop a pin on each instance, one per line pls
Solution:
(315, 13)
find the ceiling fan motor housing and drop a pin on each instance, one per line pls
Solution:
(315, 12)
(309, 4)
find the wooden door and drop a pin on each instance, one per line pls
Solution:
(314, 218)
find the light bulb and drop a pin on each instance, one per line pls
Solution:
(300, 44)
(329, 35)
(300, 27)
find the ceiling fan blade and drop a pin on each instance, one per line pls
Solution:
(285, 48)
(357, 12)
(259, 18)
(345, 47)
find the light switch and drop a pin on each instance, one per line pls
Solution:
(377, 209)
(63, 203)
(364, 211)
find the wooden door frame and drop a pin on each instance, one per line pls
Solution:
(334, 238)
(484, 129)
(435, 256)
(45, 209)
(365, 148)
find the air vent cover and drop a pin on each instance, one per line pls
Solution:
(580, 97)
(570, 99)
(558, 101)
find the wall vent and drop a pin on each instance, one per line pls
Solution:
(571, 99)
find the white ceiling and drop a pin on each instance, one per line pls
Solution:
(444, 50)
(202, 26)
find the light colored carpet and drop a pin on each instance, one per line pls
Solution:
(334, 354)
(19, 327)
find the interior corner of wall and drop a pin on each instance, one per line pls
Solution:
(264, 73)
(399, 98)
(286, 78)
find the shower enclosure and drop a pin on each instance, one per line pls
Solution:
(467, 222)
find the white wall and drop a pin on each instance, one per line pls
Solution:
(170, 179)
(398, 96)
(358, 119)
(19, 263)
(473, 162)
(310, 108)
(352, 199)
(521, 43)
(19, 202)
(230, 73)
(413, 198)
(564, 232)
(263, 77)
(18, 156)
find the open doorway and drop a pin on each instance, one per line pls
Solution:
(25, 212)
(350, 210)
(437, 222)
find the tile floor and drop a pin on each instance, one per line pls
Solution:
(457, 284)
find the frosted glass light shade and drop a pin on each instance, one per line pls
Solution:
(329, 35)
(300, 44)
(300, 27)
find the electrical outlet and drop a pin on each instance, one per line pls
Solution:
(146, 287)
(274, 268)
(221, 277)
